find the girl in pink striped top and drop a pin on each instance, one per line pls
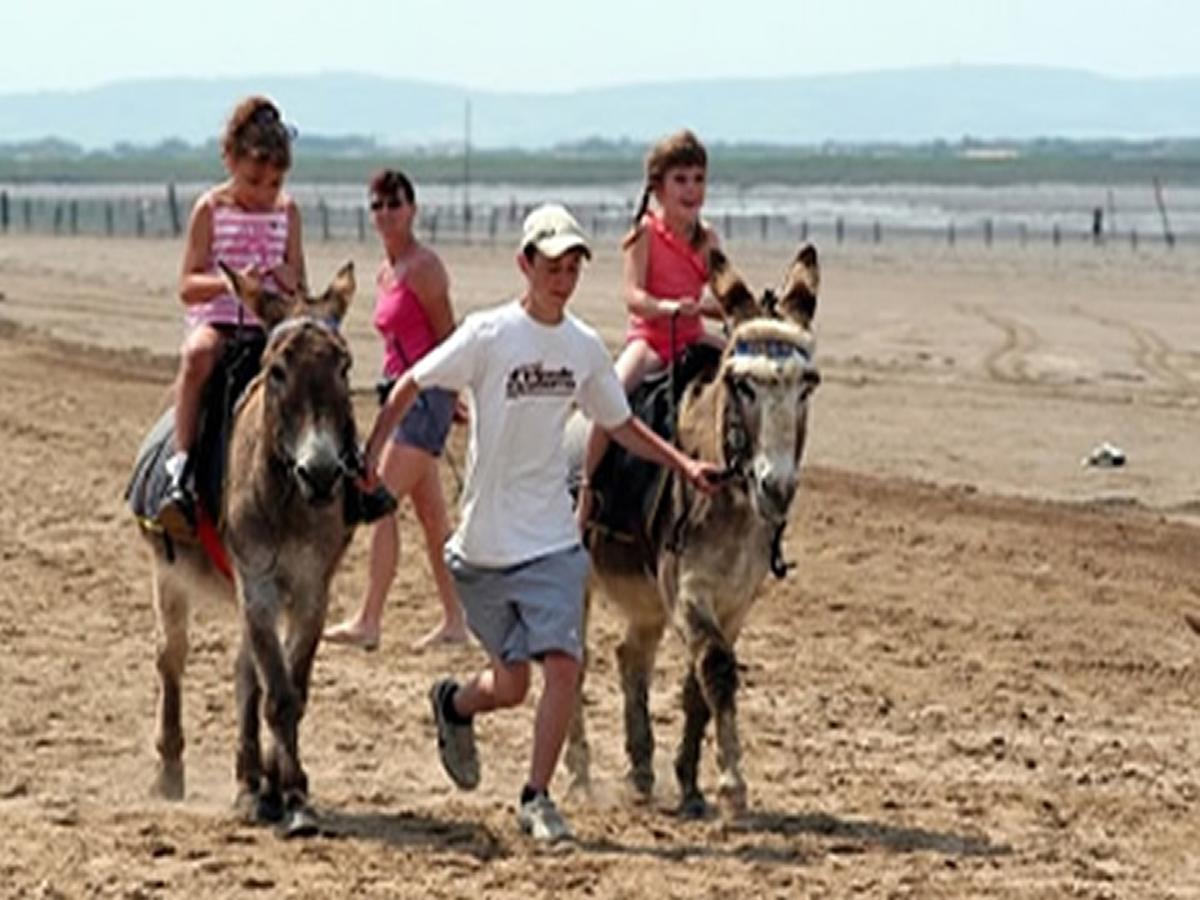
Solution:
(247, 222)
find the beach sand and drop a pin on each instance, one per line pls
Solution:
(976, 682)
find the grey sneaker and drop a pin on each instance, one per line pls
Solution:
(540, 819)
(456, 743)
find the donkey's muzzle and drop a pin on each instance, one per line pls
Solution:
(318, 479)
(775, 497)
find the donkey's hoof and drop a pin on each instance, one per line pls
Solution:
(268, 809)
(169, 782)
(733, 801)
(300, 822)
(641, 780)
(693, 806)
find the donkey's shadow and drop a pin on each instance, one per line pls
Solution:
(859, 835)
(414, 831)
(844, 836)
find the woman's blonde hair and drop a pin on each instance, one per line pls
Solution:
(682, 148)
(256, 130)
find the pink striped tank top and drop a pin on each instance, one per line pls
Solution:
(674, 269)
(404, 325)
(241, 239)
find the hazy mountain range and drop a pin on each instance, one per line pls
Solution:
(907, 105)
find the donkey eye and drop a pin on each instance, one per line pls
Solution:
(278, 374)
(746, 389)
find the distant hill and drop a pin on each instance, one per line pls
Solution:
(915, 105)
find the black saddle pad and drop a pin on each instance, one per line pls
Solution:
(627, 489)
(149, 482)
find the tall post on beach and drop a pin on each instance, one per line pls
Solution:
(362, 223)
(27, 213)
(951, 234)
(987, 232)
(173, 210)
(1168, 234)
(4, 211)
(839, 229)
(323, 212)
(877, 232)
(1056, 235)
(467, 172)
(109, 219)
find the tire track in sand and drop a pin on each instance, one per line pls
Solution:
(1008, 363)
(1152, 354)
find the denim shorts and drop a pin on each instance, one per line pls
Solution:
(427, 422)
(525, 611)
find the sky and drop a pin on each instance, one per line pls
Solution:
(544, 46)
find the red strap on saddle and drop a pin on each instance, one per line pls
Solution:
(210, 540)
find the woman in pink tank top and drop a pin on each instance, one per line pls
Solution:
(412, 315)
(245, 222)
(665, 271)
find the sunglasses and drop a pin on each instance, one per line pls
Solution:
(390, 203)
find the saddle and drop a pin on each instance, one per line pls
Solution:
(235, 369)
(629, 491)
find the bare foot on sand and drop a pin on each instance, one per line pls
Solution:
(442, 635)
(353, 633)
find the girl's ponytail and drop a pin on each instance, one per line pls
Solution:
(636, 227)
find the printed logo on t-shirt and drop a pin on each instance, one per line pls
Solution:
(532, 380)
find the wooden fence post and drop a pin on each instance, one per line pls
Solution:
(27, 213)
(361, 216)
(4, 211)
(140, 224)
(173, 210)
(109, 218)
(323, 212)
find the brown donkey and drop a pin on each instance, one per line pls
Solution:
(701, 560)
(292, 449)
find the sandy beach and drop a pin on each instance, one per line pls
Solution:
(976, 682)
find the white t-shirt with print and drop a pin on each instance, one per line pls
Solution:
(523, 379)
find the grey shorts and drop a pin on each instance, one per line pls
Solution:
(427, 421)
(525, 611)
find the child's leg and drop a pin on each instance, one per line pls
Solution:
(430, 507)
(499, 686)
(636, 361)
(554, 712)
(197, 357)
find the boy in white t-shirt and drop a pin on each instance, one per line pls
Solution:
(516, 557)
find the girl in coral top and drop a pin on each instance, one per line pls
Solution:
(665, 273)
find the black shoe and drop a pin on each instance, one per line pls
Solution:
(368, 507)
(177, 513)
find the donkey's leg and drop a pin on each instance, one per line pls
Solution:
(260, 606)
(696, 714)
(578, 755)
(303, 637)
(171, 607)
(248, 695)
(719, 681)
(635, 658)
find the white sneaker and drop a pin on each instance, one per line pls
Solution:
(540, 819)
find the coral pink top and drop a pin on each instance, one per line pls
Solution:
(241, 239)
(404, 325)
(674, 269)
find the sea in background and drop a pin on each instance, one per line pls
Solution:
(1026, 211)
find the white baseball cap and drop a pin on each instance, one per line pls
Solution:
(552, 231)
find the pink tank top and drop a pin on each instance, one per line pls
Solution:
(674, 269)
(404, 325)
(241, 239)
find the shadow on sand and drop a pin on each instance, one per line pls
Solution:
(409, 830)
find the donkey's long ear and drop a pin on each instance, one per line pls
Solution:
(268, 307)
(336, 300)
(798, 299)
(729, 288)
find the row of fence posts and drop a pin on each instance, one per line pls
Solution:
(66, 219)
